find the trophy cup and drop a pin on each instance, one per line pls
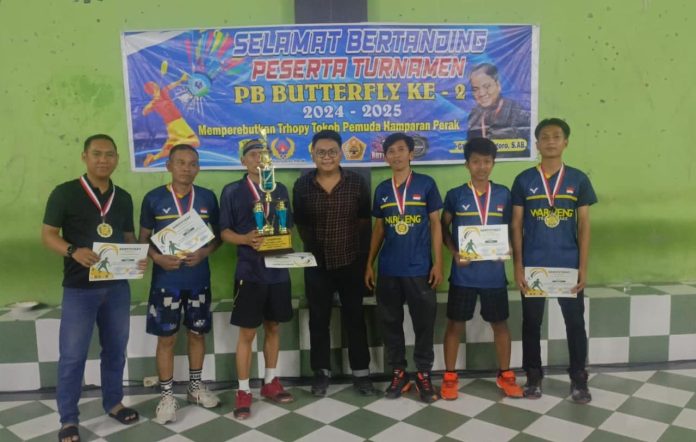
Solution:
(275, 241)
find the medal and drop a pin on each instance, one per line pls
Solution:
(401, 227)
(552, 219)
(104, 229)
(177, 203)
(482, 211)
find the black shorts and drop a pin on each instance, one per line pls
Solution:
(255, 302)
(164, 310)
(461, 302)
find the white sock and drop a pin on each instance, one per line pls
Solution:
(244, 385)
(270, 374)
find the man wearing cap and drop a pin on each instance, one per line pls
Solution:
(261, 295)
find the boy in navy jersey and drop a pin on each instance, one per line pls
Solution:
(262, 295)
(477, 203)
(551, 228)
(406, 208)
(180, 282)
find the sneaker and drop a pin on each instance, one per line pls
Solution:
(400, 384)
(242, 405)
(450, 386)
(532, 389)
(579, 391)
(320, 384)
(506, 381)
(166, 410)
(203, 397)
(275, 392)
(425, 387)
(363, 386)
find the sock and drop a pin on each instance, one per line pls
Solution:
(270, 374)
(194, 379)
(244, 385)
(167, 387)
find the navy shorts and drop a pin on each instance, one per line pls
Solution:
(255, 302)
(166, 304)
(461, 302)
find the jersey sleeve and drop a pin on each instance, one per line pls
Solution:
(55, 209)
(147, 217)
(507, 210)
(517, 192)
(376, 209)
(586, 193)
(214, 212)
(450, 202)
(433, 198)
(227, 208)
(128, 225)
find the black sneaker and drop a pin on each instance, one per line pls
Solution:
(425, 387)
(400, 383)
(532, 389)
(320, 384)
(579, 391)
(363, 386)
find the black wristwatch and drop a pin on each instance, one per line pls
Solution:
(71, 250)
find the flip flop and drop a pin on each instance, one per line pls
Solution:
(126, 416)
(69, 432)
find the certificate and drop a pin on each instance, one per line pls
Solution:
(552, 282)
(185, 235)
(484, 243)
(290, 261)
(117, 261)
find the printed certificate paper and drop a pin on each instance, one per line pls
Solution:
(552, 282)
(185, 235)
(290, 261)
(117, 261)
(484, 243)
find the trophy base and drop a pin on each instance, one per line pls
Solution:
(276, 244)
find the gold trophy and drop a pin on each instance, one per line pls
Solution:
(275, 241)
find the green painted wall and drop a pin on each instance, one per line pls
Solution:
(619, 72)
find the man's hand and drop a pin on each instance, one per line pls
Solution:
(520, 280)
(195, 258)
(369, 278)
(85, 257)
(461, 262)
(254, 239)
(582, 280)
(167, 262)
(435, 277)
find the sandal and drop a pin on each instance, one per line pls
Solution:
(69, 433)
(126, 416)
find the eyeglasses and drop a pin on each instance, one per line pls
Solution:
(332, 153)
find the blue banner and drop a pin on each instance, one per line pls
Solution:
(442, 84)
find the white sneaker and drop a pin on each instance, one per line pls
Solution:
(203, 397)
(166, 410)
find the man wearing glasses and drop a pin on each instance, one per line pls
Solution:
(331, 206)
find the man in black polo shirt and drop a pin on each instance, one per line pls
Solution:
(331, 204)
(87, 210)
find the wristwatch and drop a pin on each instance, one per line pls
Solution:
(71, 250)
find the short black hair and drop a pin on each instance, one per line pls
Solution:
(180, 147)
(552, 122)
(487, 68)
(398, 136)
(252, 144)
(327, 134)
(481, 146)
(91, 138)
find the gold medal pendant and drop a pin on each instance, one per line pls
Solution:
(401, 228)
(105, 230)
(552, 220)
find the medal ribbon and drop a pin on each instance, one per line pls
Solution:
(401, 200)
(179, 208)
(92, 196)
(552, 196)
(257, 197)
(482, 211)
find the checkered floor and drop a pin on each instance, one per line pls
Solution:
(647, 405)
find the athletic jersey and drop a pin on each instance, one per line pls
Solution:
(545, 246)
(158, 211)
(237, 214)
(459, 202)
(409, 254)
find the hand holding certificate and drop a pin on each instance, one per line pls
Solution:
(185, 235)
(484, 243)
(117, 261)
(552, 282)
